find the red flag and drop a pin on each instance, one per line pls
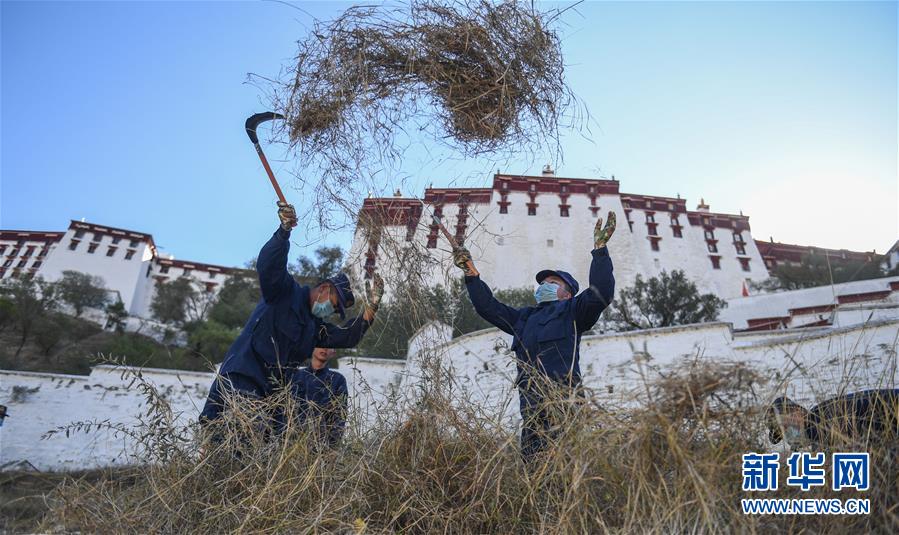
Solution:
(745, 290)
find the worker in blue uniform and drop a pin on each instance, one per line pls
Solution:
(287, 324)
(868, 415)
(320, 394)
(546, 337)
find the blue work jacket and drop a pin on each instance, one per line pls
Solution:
(546, 338)
(321, 397)
(282, 332)
(859, 414)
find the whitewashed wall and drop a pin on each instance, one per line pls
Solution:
(808, 365)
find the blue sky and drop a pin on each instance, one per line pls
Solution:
(130, 114)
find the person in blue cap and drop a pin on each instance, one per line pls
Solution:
(287, 324)
(320, 394)
(546, 338)
(871, 415)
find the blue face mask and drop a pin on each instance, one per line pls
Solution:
(322, 310)
(546, 292)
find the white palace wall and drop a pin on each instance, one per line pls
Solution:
(808, 365)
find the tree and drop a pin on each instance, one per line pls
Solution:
(48, 332)
(819, 270)
(7, 313)
(211, 339)
(178, 302)
(116, 316)
(33, 299)
(236, 300)
(663, 301)
(80, 291)
(329, 262)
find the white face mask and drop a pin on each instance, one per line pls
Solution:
(546, 292)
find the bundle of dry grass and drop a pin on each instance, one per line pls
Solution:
(475, 75)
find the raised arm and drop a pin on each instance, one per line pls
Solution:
(350, 333)
(592, 301)
(271, 265)
(498, 314)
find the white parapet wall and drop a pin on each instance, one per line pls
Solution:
(808, 364)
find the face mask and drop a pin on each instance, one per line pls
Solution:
(546, 292)
(322, 310)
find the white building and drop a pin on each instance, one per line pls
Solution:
(523, 224)
(127, 261)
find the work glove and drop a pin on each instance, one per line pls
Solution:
(602, 234)
(288, 215)
(374, 291)
(462, 259)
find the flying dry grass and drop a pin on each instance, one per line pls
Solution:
(443, 464)
(474, 76)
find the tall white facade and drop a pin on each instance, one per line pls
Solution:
(127, 261)
(523, 224)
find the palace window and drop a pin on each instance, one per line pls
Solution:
(37, 264)
(549, 243)
(92, 247)
(648, 203)
(654, 244)
(677, 232)
(563, 211)
(14, 252)
(651, 229)
(7, 263)
(716, 262)
(532, 187)
(186, 272)
(713, 247)
(134, 243)
(744, 263)
(504, 208)
(212, 275)
(44, 251)
(709, 234)
(79, 233)
(111, 251)
(29, 251)
(164, 269)
(97, 236)
(129, 254)
(738, 237)
(116, 239)
(210, 287)
(650, 217)
(22, 262)
(73, 245)
(532, 209)
(741, 249)
(2, 249)
(564, 188)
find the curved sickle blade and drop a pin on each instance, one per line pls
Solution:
(255, 120)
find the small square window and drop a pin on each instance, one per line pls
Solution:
(716, 262)
(111, 251)
(164, 269)
(116, 239)
(212, 275)
(2, 249)
(14, 252)
(79, 233)
(710, 234)
(37, 264)
(73, 245)
(504, 208)
(92, 247)
(134, 243)
(654, 244)
(713, 248)
(186, 272)
(741, 249)
(563, 211)
(22, 263)
(549, 243)
(44, 251)
(650, 218)
(651, 229)
(677, 232)
(97, 236)
(7, 263)
(564, 188)
(532, 210)
(29, 251)
(744, 263)
(129, 254)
